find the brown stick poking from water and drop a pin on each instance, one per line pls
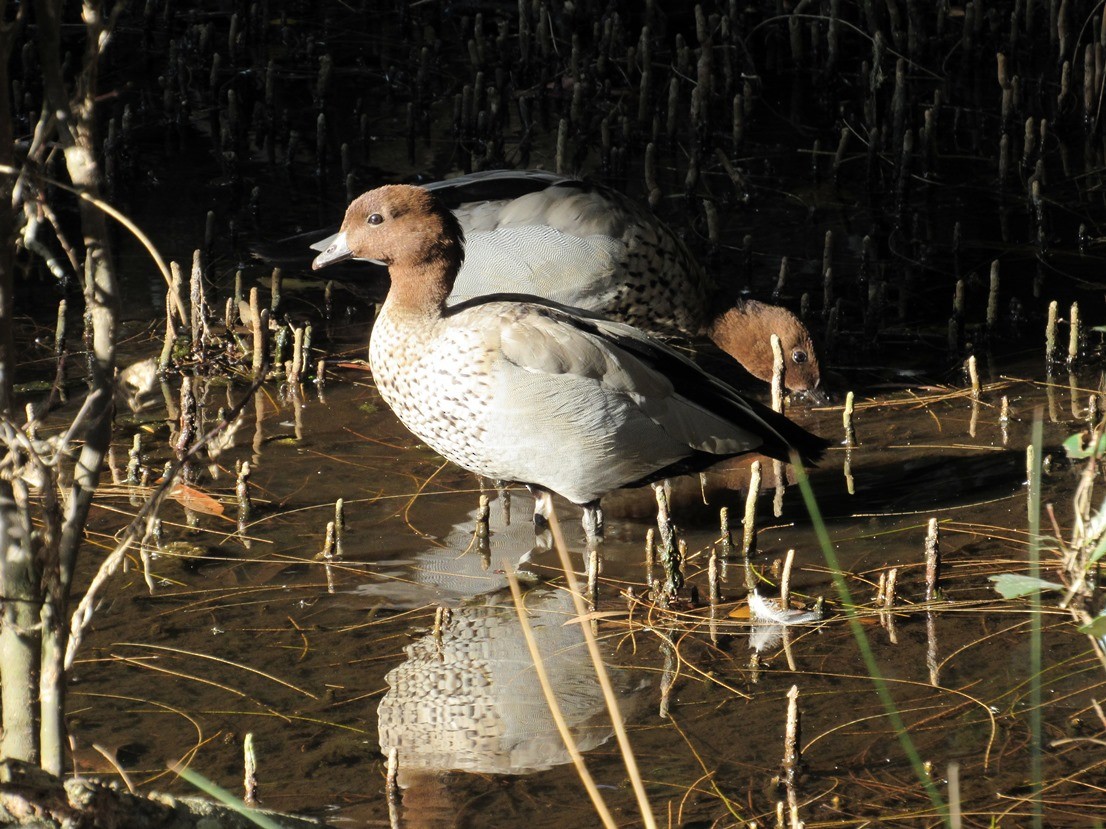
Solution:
(933, 562)
(749, 531)
(674, 578)
(170, 324)
(242, 491)
(258, 332)
(339, 526)
(296, 367)
(785, 580)
(889, 588)
(1050, 331)
(249, 780)
(725, 539)
(792, 756)
(134, 461)
(847, 420)
(1073, 334)
(198, 308)
(973, 376)
(778, 368)
(781, 280)
(483, 530)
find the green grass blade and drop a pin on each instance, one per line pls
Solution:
(228, 799)
(1035, 656)
(882, 689)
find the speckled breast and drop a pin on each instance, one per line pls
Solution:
(436, 379)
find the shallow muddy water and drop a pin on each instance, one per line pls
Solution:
(326, 662)
(267, 639)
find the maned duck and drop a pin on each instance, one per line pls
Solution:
(519, 389)
(591, 247)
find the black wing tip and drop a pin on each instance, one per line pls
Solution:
(791, 439)
(812, 449)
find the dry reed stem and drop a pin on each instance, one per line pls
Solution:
(609, 696)
(550, 695)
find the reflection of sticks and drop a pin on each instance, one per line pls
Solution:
(242, 492)
(328, 556)
(547, 689)
(1030, 455)
(668, 675)
(391, 779)
(714, 590)
(82, 616)
(931, 650)
(609, 698)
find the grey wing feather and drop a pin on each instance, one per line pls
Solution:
(591, 365)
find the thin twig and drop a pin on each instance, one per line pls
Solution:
(82, 616)
(115, 214)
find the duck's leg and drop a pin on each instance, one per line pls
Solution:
(593, 524)
(543, 507)
(504, 496)
(543, 537)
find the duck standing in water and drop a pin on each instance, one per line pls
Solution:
(520, 389)
(590, 247)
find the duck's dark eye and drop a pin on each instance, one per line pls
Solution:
(375, 219)
(798, 356)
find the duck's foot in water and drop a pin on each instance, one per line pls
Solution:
(543, 543)
(543, 508)
(593, 525)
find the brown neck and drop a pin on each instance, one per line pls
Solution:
(420, 288)
(745, 337)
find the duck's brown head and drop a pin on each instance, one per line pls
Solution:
(745, 332)
(409, 230)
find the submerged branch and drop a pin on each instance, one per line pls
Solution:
(82, 615)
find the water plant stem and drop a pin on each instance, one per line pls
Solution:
(1035, 621)
(551, 699)
(882, 689)
(609, 697)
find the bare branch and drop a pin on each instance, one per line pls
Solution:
(145, 240)
(82, 615)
